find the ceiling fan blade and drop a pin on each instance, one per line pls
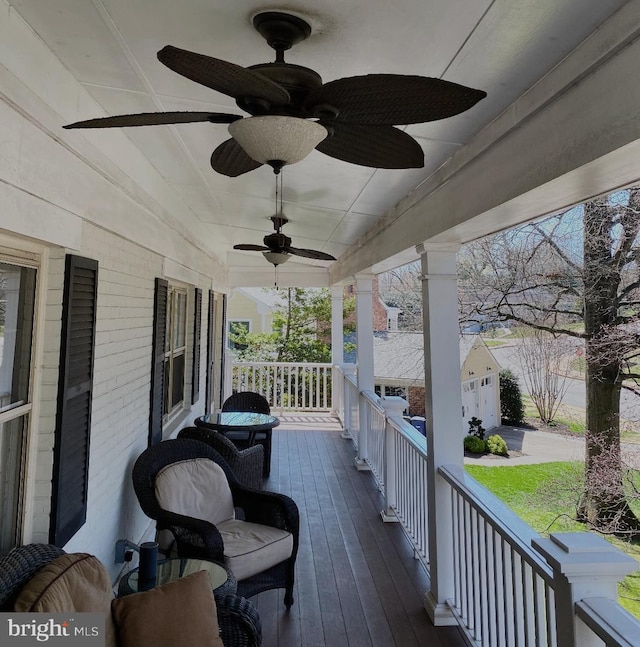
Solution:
(231, 160)
(393, 99)
(309, 253)
(375, 146)
(251, 248)
(155, 119)
(228, 78)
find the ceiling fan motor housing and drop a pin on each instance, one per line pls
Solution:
(277, 241)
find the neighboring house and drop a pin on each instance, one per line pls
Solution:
(399, 370)
(251, 308)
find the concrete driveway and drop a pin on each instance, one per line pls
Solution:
(528, 446)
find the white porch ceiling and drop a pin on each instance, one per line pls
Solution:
(501, 46)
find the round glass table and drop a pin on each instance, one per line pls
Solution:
(249, 422)
(223, 581)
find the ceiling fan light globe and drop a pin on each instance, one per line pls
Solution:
(276, 258)
(276, 137)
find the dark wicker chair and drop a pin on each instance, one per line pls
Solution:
(246, 401)
(247, 464)
(201, 539)
(18, 566)
(237, 617)
(250, 401)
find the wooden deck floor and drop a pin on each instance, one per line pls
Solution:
(357, 583)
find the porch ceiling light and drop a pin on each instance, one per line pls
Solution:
(277, 140)
(276, 258)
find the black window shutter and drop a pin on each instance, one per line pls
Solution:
(75, 385)
(211, 335)
(197, 325)
(157, 360)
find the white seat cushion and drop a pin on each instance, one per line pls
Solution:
(197, 488)
(251, 548)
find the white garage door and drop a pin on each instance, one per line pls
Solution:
(470, 403)
(488, 399)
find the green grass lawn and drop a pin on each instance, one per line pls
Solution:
(546, 497)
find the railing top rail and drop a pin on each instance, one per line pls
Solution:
(410, 433)
(509, 525)
(609, 621)
(314, 364)
(374, 400)
(352, 379)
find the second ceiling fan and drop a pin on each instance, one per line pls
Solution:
(277, 247)
(353, 118)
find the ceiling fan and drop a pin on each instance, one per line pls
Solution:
(277, 247)
(351, 119)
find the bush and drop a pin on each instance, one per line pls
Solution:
(475, 445)
(497, 445)
(475, 428)
(511, 405)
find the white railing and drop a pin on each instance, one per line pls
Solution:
(503, 588)
(351, 422)
(337, 392)
(288, 386)
(505, 593)
(606, 619)
(406, 484)
(375, 423)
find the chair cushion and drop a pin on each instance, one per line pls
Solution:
(197, 488)
(76, 582)
(176, 614)
(251, 548)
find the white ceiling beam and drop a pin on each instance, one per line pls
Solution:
(574, 135)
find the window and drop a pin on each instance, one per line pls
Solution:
(17, 307)
(175, 348)
(234, 327)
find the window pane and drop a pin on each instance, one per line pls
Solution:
(17, 297)
(180, 320)
(11, 436)
(177, 379)
(167, 328)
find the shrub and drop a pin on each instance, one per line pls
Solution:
(497, 445)
(475, 428)
(475, 445)
(511, 405)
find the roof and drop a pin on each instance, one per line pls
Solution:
(263, 296)
(400, 355)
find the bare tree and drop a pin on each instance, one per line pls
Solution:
(402, 288)
(543, 361)
(579, 267)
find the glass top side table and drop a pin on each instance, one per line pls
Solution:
(223, 581)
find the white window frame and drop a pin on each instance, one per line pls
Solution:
(34, 257)
(173, 351)
(230, 322)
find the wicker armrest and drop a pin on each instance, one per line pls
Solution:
(268, 508)
(239, 622)
(194, 537)
(19, 565)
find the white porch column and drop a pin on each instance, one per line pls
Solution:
(364, 354)
(443, 411)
